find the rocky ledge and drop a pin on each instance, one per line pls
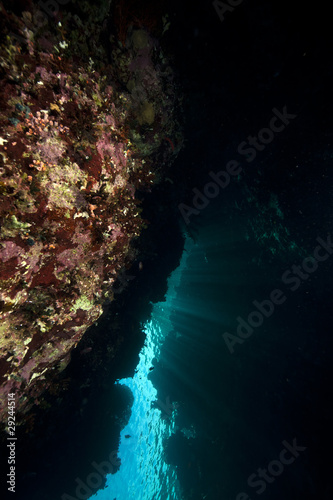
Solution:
(88, 123)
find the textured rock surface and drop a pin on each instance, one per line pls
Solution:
(78, 137)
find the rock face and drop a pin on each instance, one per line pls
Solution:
(79, 137)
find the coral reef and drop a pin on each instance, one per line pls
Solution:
(79, 137)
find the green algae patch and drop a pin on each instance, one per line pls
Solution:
(82, 303)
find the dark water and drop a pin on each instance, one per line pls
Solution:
(255, 422)
(221, 416)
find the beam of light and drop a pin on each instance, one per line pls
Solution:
(143, 473)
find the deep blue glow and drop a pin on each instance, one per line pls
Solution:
(143, 474)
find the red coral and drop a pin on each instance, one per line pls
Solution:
(8, 269)
(45, 276)
(94, 166)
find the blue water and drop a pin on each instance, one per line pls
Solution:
(204, 419)
(143, 474)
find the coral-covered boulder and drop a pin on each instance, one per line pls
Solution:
(78, 137)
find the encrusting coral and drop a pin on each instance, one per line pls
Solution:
(78, 137)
